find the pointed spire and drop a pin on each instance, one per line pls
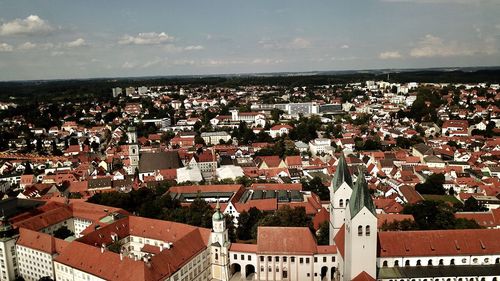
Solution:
(360, 196)
(217, 206)
(342, 173)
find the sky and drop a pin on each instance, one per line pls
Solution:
(59, 39)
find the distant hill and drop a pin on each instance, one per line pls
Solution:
(83, 88)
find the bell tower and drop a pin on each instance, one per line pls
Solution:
(133, 149)
(340, 194)
(220, 246)
(360, 232)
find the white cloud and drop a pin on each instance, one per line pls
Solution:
(389, 55)
(33, 24)
(294, 44)
(194, 48)
(128, 65)
(4, 47)
(57, 53)
(267, 61)
(345, 46)
(433, 46)
(26, 46)
(148, 38)
(80, 42)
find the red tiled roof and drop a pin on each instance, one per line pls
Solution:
(363, 276)
(340, 240)
(322, 216)
(390, 218)
(285, 240)
(244, 248)
(439, 243)
(40, 241)
(206, 188)
(276, 186)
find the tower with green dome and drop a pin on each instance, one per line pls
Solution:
(219, 245)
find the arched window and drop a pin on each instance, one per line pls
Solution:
(384, 264)
(216, 256)
(346, 202)
(418, 263)
(497, 260)
(429, 262)
(407, 263)
(441, 262)
(360, 230)
(396, 263)
(341, 203)
(452, 262)
(367, 230)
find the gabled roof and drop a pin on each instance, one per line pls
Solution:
(363, 276)
(342, 174)
(463, 242)
(285, 240)
(361, 197)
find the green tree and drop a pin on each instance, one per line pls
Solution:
(323, 235)
(432, 185)
(63, 232)
(472, 205)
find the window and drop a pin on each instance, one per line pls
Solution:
(249, 257)
(384, 264)
(261, 258)
(418, 263)
(346, 202)
(277, 269)
(315, 259)
(242, 257)
(429, 262)
(269, 258)
(216, 256)
(277, 259)
(360, 230)
(324, 259)
(367, 230)
(307, 260)
(396, 263)
(285, 274)
(261, 269)
(292, 259)
(441, 262)
(235, 256)
(284, 259)
(301, 260)
(452, 262)
(341, 203)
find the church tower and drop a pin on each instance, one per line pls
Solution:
(360, 232)
(220, 246)
(133, 149)
(340, 194)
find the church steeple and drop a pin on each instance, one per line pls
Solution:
(361, 196)
(340, 193)
(342, 173)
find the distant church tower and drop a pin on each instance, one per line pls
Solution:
(133, 149)
(360, 232)
(220, 246)
(340, 194)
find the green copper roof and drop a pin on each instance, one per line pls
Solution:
(342, 174)
(360, 196)
(217, 216)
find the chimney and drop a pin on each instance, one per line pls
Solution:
(103, 247)
(161, 247)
